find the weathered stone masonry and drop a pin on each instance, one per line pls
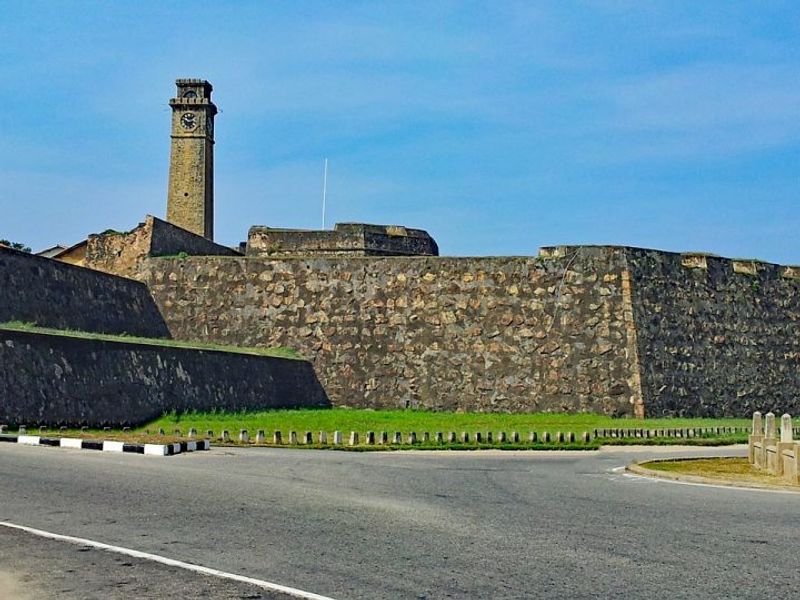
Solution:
(487, 334)
(60, 380)
(609, 329)
(54, 294)
(716, 336)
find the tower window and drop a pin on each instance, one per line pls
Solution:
(190, 94)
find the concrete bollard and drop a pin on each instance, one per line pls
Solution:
(244, 436)
(23, 430)
(426, 438)
(354, 438)
(515, 437)
(585, 438)
(439, 437)
(3, 428)
(161, 431)
(176, 432)
(83, 428)
(42, 429)
(192, 432)
(571, 437)
(451, 437)
(398, 438)
(501, 437)
(210, 433)
(412, 438)
(277, 438)
(546, 437)
(308, 438)
(383, 438)
(769, 426)
(370, 438)
(292, 438)
(532, 437)
(323, 437)
(478, 437)
(226, 436)
(559, 437)
(786, 428)
(489, 438)
(260, 436)
(464, 437)
(337, 438)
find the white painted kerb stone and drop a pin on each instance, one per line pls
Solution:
(155, 449)
(109, 446)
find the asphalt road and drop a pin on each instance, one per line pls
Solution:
(408, 525)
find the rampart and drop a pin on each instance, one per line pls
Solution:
(62, 380)
(609, 329)
(476, 334)
(716, 336)
(121, 253)
(346, 239)
(55, 294)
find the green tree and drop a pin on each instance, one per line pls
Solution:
(15, 245)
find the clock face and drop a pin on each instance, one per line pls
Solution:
(190, 94)
(189, 120)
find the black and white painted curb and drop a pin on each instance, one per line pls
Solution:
(108, 445)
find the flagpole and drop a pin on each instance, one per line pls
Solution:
(324, 192)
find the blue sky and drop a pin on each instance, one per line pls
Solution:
(499, 126)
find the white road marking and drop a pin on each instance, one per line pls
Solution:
(621, 471)
(171, 562)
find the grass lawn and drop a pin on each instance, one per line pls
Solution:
(344, 419)
(728, 470)
(279, 352)
(421, 422)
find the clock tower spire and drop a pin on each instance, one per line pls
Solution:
(190, 194)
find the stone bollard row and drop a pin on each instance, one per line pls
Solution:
(412, 438)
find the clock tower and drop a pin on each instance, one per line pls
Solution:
(190, 195)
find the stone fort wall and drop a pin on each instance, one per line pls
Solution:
(475, 334)
(60, 380)
(55, 294)
(609, 329)
(716, 336)
(121, 253)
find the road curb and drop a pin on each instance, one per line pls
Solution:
(638, 468)
(108, 445)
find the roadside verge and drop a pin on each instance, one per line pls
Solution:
(642, 469)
